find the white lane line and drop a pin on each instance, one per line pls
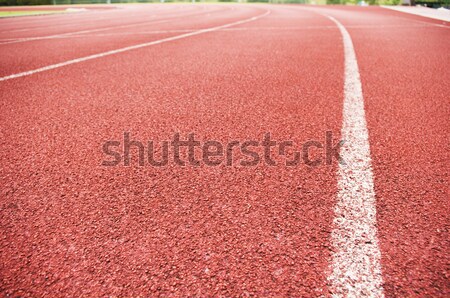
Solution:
(125, 49)
(355, 269)
(87, 16)
(83, 34)
(69, 34)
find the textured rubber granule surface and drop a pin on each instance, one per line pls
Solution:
(408, 114)
(72, 227)
(404, 70)
(75, 228)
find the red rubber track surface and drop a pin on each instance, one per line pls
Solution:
(71, 227)
(143, 27)
(52, 7)
(406, 87)
(91, 19)
(405, 73)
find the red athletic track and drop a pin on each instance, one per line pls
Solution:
(52, 7)
(73, 228)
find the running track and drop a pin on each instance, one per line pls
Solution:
(73, 228)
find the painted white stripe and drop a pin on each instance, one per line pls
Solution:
(69, 34)
(125, 49)
(83, 34)
(98, 15)
(355, 269)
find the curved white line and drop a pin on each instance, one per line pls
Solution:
(134, 47)
(355, 268)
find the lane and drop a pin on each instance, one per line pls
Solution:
(145, 20)
(20, 57)
(405, 83)
(31, 24)
(75, 228)
(68, 23)
(211, 231)
(132, 47)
